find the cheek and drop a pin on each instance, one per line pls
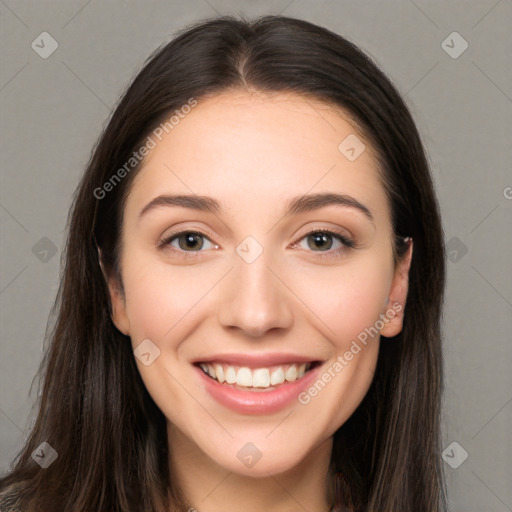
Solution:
(161, 299)
(162, 305)
(345, 300)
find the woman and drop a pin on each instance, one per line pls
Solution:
(249, 314)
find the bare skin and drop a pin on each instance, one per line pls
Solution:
(253, 153)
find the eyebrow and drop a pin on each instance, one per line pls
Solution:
(294, 206)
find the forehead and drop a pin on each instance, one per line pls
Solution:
(249, 148)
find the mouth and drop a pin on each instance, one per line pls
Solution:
(265, 378)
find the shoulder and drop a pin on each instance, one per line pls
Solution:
(10, 498)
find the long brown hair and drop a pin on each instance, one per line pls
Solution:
(94, 409)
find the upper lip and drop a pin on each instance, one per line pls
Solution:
(255, 360)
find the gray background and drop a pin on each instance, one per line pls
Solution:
(53, 110)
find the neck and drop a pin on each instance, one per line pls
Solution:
(209, 487)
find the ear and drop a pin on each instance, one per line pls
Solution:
(119, 316)
(397, 296)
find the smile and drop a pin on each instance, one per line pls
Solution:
(258, 378)
(256, 384)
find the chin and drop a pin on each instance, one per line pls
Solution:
(261, 456)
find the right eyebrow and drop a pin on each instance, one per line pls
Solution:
(201, 203)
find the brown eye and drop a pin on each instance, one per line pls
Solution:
(192, 241)
(188, 241)
(322, 241)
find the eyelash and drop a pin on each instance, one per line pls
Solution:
(329, 254)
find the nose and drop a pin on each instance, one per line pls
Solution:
(257, 299)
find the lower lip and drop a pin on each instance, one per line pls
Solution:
(257, 402)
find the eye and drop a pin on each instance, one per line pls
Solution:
(188, 241)
(323, 240)
(319, 241)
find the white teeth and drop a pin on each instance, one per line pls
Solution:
(244, 377)
(220, 373)
(211, 371)
(261, 378)
(257, 378)
(291, 373)
(230, 375)
(277, 376)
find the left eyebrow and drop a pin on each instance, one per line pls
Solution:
(311, 202)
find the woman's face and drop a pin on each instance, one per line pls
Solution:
(237, 278)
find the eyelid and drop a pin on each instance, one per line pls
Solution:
(333, 231)
(182, 230)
